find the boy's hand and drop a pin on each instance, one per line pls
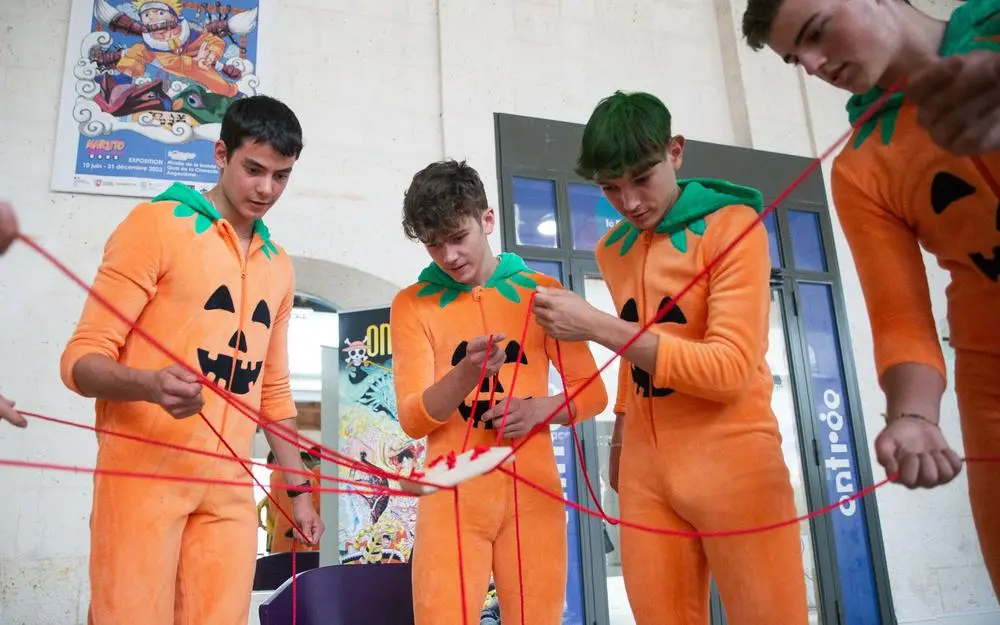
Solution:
(475, 353)
(8, 413)
(918, 451)
(522, 416)
(563, 314)
(8, 226)
(958, 101)
(178, 391)
(307, 519)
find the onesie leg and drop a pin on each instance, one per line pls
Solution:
(436, 582)
(666, 577)
(218, 551)
(135, 540)
(977, 383)
(761, 578)
(541, 523)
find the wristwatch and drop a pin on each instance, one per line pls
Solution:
(292, 494)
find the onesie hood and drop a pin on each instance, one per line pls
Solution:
(510, 271)
(975, 25)
(699, 198)
(192, 203)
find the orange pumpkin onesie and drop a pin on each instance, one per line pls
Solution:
(431, 322)
(895, 191)
(166, 552)
(701, 449)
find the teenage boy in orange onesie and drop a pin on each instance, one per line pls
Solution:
(440, 330)
(700, 447)
(201, 274)
(897, 189)
(8, 234)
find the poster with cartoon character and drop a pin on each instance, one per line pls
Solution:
(373, 529)
(145, 86)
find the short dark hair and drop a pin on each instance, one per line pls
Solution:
(440, 196)
(758, 19)
(626, 133)
(262, 119)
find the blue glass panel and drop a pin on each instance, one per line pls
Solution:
(565, 452)
(590, 214)
(832, 415)
(772, 240)
(550, 268)
(535, 221)
(807, 244)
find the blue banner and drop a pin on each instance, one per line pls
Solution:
(565, 451)
(834, 434)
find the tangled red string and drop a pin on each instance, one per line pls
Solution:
(450, 459)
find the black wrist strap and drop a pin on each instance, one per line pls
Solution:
(292, 494)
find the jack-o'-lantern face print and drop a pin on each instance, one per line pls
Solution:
(950, 192)
(491, 386)
(225, 362)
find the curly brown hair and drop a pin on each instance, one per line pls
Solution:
(439, 199)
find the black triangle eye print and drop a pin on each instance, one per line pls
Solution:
(643, 381)
(262, 314)
(221, 299)
(946, 190)
(490, 386)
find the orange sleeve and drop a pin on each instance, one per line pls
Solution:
(412, 367)
(893, 277)
(276, 402)
(127, 278)
(624, 387)
(577, 367)
(719, 366)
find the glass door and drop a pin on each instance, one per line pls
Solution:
(589, 284)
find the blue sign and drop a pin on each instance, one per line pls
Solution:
(836, 443)
(565, 452)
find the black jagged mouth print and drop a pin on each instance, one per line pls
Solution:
(221, 367)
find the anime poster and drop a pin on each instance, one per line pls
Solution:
(145, 86)
(373, 529)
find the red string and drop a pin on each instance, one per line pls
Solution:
(576, 438)
(517, 541)
(167, 477)
(985, 173)
(517, 366)
(211, 454)
(295, 588)
(721, 533)
(344, 461)
(475, 402)
(709, 266)
(279, 431)
(461, 562)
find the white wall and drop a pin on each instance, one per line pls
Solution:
(382, 88)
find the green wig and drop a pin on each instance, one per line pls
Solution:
(626, 133)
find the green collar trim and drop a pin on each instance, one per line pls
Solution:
(510, 273)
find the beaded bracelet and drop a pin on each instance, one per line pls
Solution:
(910, 415)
